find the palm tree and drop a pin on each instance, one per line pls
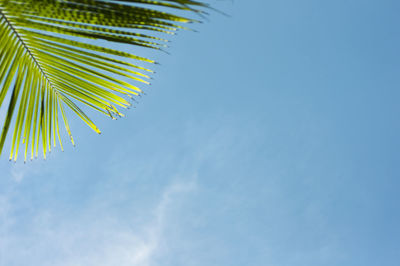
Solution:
(47, 63)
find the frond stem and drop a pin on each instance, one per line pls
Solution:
(26, 48)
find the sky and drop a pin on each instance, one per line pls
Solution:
(268, 138)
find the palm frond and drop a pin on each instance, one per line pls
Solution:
(47, 63)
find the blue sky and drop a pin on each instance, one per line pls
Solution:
(270, 138)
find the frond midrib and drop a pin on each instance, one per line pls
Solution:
(27, 49)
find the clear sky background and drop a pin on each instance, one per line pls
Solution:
(270, 138)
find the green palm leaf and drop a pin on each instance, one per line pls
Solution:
(47, 64)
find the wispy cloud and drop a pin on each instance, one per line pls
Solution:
(18, 174)
(19, 170)
(76, 242)
(140, 231)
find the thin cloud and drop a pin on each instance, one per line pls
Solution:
(74, 243)
(18, 175)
